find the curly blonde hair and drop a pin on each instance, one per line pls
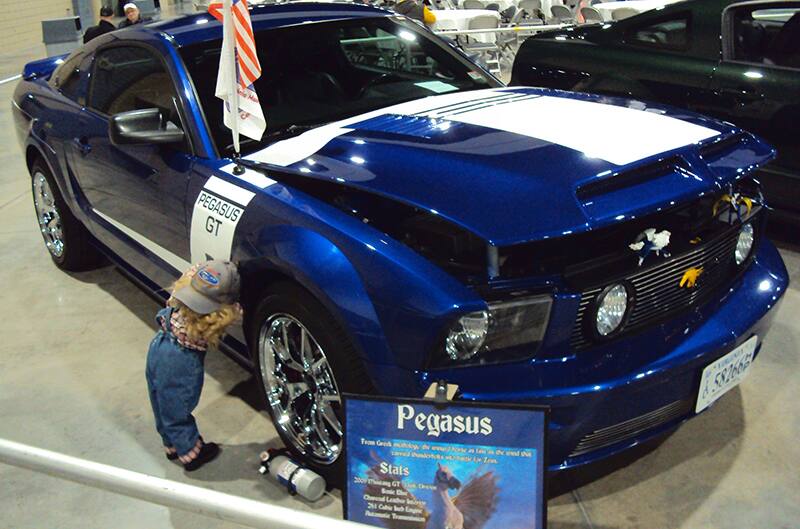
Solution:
(209, 327)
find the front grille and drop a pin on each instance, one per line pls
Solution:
(631, 428)
(657, 293)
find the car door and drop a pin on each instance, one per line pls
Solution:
(135, 193)
(656, 56)
(758, 82)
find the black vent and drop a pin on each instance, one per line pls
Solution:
(720, 147)
(629, 178)
(612, 435)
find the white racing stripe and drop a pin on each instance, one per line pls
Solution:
(228, 190)
(165, 255)
(619, 135)
(300, 147)
(217, 210)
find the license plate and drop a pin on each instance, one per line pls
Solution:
(724, 374)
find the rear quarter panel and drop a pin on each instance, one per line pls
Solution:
(43, 119)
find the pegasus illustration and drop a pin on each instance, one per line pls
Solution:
(470, 509)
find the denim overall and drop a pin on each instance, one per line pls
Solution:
(175, 379)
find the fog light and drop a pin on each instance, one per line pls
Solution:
(467, 335)
(744, 244)
(612, 305)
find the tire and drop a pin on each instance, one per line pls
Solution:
(287, 306)
(65, 237)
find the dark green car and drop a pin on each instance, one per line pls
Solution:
(739, 61)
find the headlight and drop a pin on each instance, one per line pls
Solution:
(521, 322)
(612, 305)
(744, 244)
(467, 335)
(504, 328)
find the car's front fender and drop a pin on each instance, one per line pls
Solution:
(320, 267)
(394, 303)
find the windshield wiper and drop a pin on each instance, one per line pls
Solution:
(279, 134)
(288, 131)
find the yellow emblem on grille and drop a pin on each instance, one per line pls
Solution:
(689, 279)
(734, 200)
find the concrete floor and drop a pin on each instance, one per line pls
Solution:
(71, 380)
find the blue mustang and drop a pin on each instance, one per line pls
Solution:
(406, 219)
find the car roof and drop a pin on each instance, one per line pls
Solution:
(202, 26)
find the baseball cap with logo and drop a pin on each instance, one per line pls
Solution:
(215, 283)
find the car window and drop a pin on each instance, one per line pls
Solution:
(669, 34)
(377, 48)
(322, 72)
(767, 36)
(66, 78)
(131, 78)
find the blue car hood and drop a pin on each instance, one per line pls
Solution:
(514, 165)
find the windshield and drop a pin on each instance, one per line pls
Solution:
(322, 72)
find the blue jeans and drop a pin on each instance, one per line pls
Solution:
(174, 379)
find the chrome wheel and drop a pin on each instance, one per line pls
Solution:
(300, 387)
(47, 215)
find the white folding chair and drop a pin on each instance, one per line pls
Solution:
(623, 12)
(532, 7)
(591, 15)
(489, 51)
(562, 14)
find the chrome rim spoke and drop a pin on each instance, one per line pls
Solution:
(296, 390)
(327, 414)
(318, 423)
(300, 387)
(305, 350)
(283, 349)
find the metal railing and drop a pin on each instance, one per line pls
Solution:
(164, 492)
(524, 30)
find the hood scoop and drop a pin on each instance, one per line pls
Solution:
(652, 186)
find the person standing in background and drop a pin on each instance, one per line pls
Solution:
(132, 16)
(417, 10)
(104, 26)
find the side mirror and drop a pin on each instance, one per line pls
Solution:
(141, 127)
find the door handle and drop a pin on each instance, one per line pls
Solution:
(743, 94)
(83, 145)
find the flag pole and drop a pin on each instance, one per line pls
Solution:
(227, 27)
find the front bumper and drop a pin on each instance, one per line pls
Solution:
(604, 401)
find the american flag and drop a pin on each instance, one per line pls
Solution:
(238, 70)
(246, 57)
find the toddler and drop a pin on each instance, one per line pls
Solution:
(203, 304)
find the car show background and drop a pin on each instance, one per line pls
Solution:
(70, 380)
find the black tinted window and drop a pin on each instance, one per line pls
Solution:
(130, 78)
(767, 36)
(671, 34)
(317, 73)
(66, 78)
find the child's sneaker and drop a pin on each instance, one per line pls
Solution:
(207, 453)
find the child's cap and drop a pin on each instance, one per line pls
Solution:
(215, 283)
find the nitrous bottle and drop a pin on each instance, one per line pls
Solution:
(296, 478)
